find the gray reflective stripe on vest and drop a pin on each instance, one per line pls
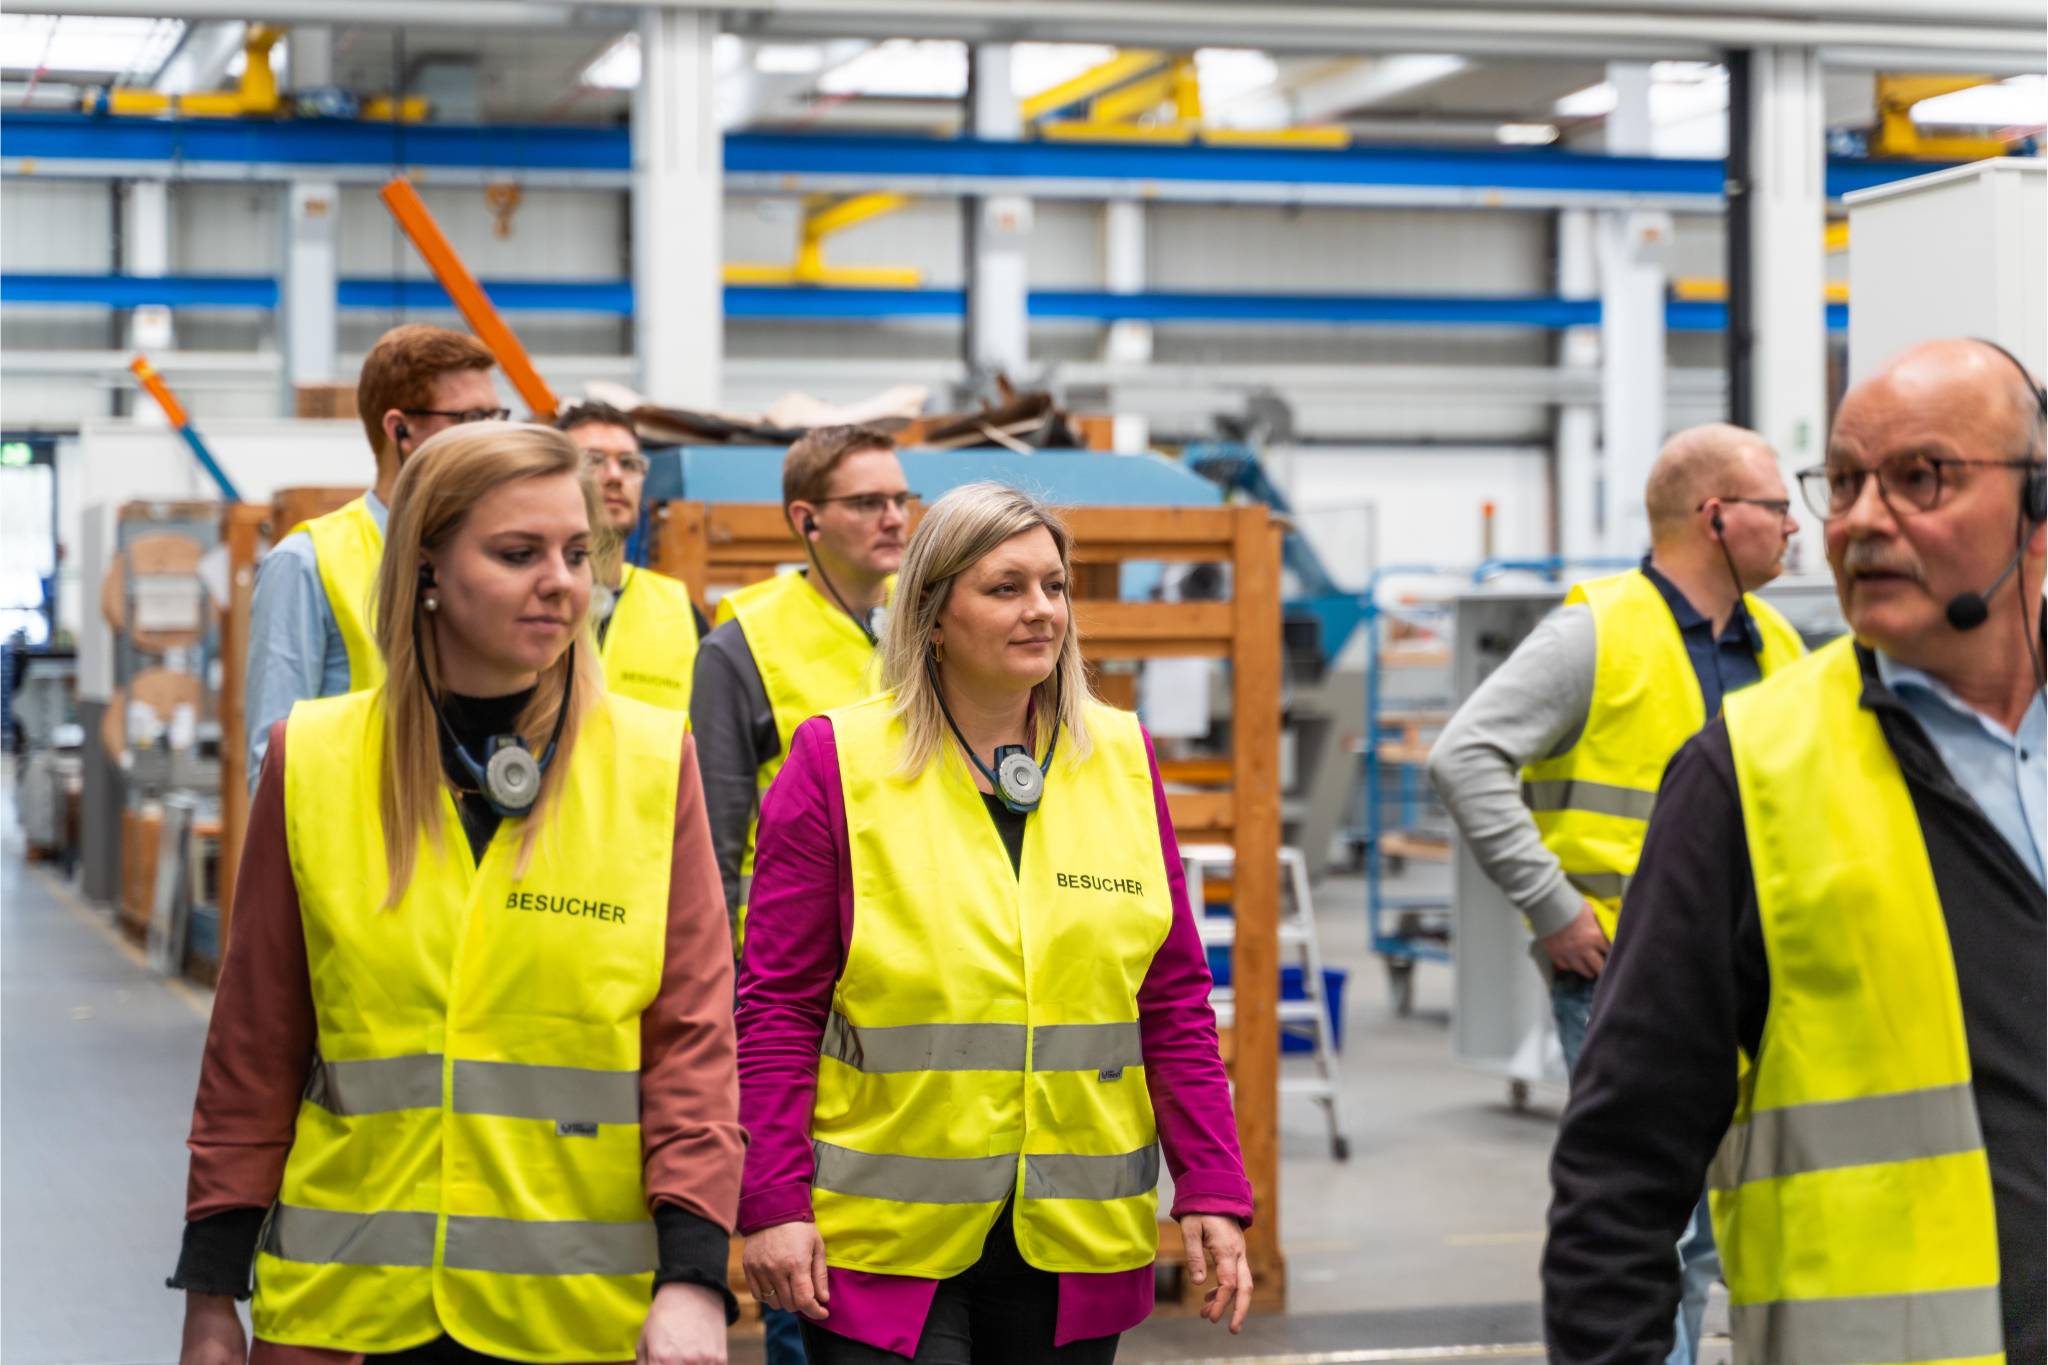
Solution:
(1876, 1329)
(1085, 1047)
(327, 1237)
(504, 1246)
(515, 1246)
(1061, 1175)
(914, 1179)
(565, 1094)
(1592, 798)
(1601, 886)
(377, 1085)
(924, 1047)
(746, 889)
(1862, 1132)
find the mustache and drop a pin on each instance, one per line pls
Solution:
(1868, 556)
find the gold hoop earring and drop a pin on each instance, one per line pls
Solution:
(938, 651)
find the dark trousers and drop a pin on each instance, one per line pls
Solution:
(999, 1311)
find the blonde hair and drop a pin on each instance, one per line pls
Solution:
(957, 532)
(437, 488)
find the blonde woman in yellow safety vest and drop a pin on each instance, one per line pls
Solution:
(468, 1093)
(974, 1002)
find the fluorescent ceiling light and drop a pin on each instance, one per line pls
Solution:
(618, 66)
(115, 49)
(1038, 67)
(2021, 102)
(1592, 102)
(1525, 134)
(1230, 73)
(788, 59)
(903, 68)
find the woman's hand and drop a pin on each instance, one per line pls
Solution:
(213, 1332)
(686, 1326)
(785, 1268)
(1213, 1238)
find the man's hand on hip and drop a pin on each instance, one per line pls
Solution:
(1580, 947)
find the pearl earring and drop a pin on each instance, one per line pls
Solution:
(431, 602)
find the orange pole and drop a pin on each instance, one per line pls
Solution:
(160, 391)
(470, 300)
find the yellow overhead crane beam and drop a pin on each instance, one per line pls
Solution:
(1147, 96)
(256, 95)
(1897, 135)
(1706, 289)
(824, 216)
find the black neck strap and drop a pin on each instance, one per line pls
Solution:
(995, 784)
(469, 762)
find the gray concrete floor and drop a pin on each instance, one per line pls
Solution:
(1424, 1245)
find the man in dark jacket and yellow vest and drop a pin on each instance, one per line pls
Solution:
(1835, 939)
(647, 625)
(1551, 767)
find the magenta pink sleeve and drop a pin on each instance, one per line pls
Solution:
(1183, 1063)
(799, 914)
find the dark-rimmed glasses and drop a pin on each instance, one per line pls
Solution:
(871, 504)
(1909, 484)
(462, 417)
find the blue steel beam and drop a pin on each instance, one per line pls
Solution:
(1504, 175)
(772, 303)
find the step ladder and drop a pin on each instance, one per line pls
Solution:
(1296, 926)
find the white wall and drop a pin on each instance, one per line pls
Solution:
(1367, 506)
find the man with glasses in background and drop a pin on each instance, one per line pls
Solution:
(647, 625)
(310, 629)
(1836, 937)
(1550, 768)
(791, 647)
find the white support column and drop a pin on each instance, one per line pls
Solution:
(146, 237)
(1633, 248)
(998, 234)
(312, 214)
(1787, 215)
(1127, 342)
(678, 194)
(1578, 424)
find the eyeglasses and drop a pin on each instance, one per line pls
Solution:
(1908, 483)
(462, 417)
(1781, 506)
(630, 462)
(871, 504)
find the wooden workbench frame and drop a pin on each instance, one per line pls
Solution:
(728, 545)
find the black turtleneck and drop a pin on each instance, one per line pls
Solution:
(474, 720)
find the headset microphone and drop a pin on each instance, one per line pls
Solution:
(1969, 610)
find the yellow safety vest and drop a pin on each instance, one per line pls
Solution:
(1592, 802)
(983, 1043)
(348, 547)
(468, 1156)
(811, 657)
(650, 646)
(1852, 1197)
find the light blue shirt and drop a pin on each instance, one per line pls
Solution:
(2005, 774)
(295, 645)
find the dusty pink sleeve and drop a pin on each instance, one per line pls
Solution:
(1183, 1063)
(689, 1120)
(259, 1044)
(799, 916)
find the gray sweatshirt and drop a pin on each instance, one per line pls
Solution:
(1533, 706)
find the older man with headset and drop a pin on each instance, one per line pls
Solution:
(1829, 998)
